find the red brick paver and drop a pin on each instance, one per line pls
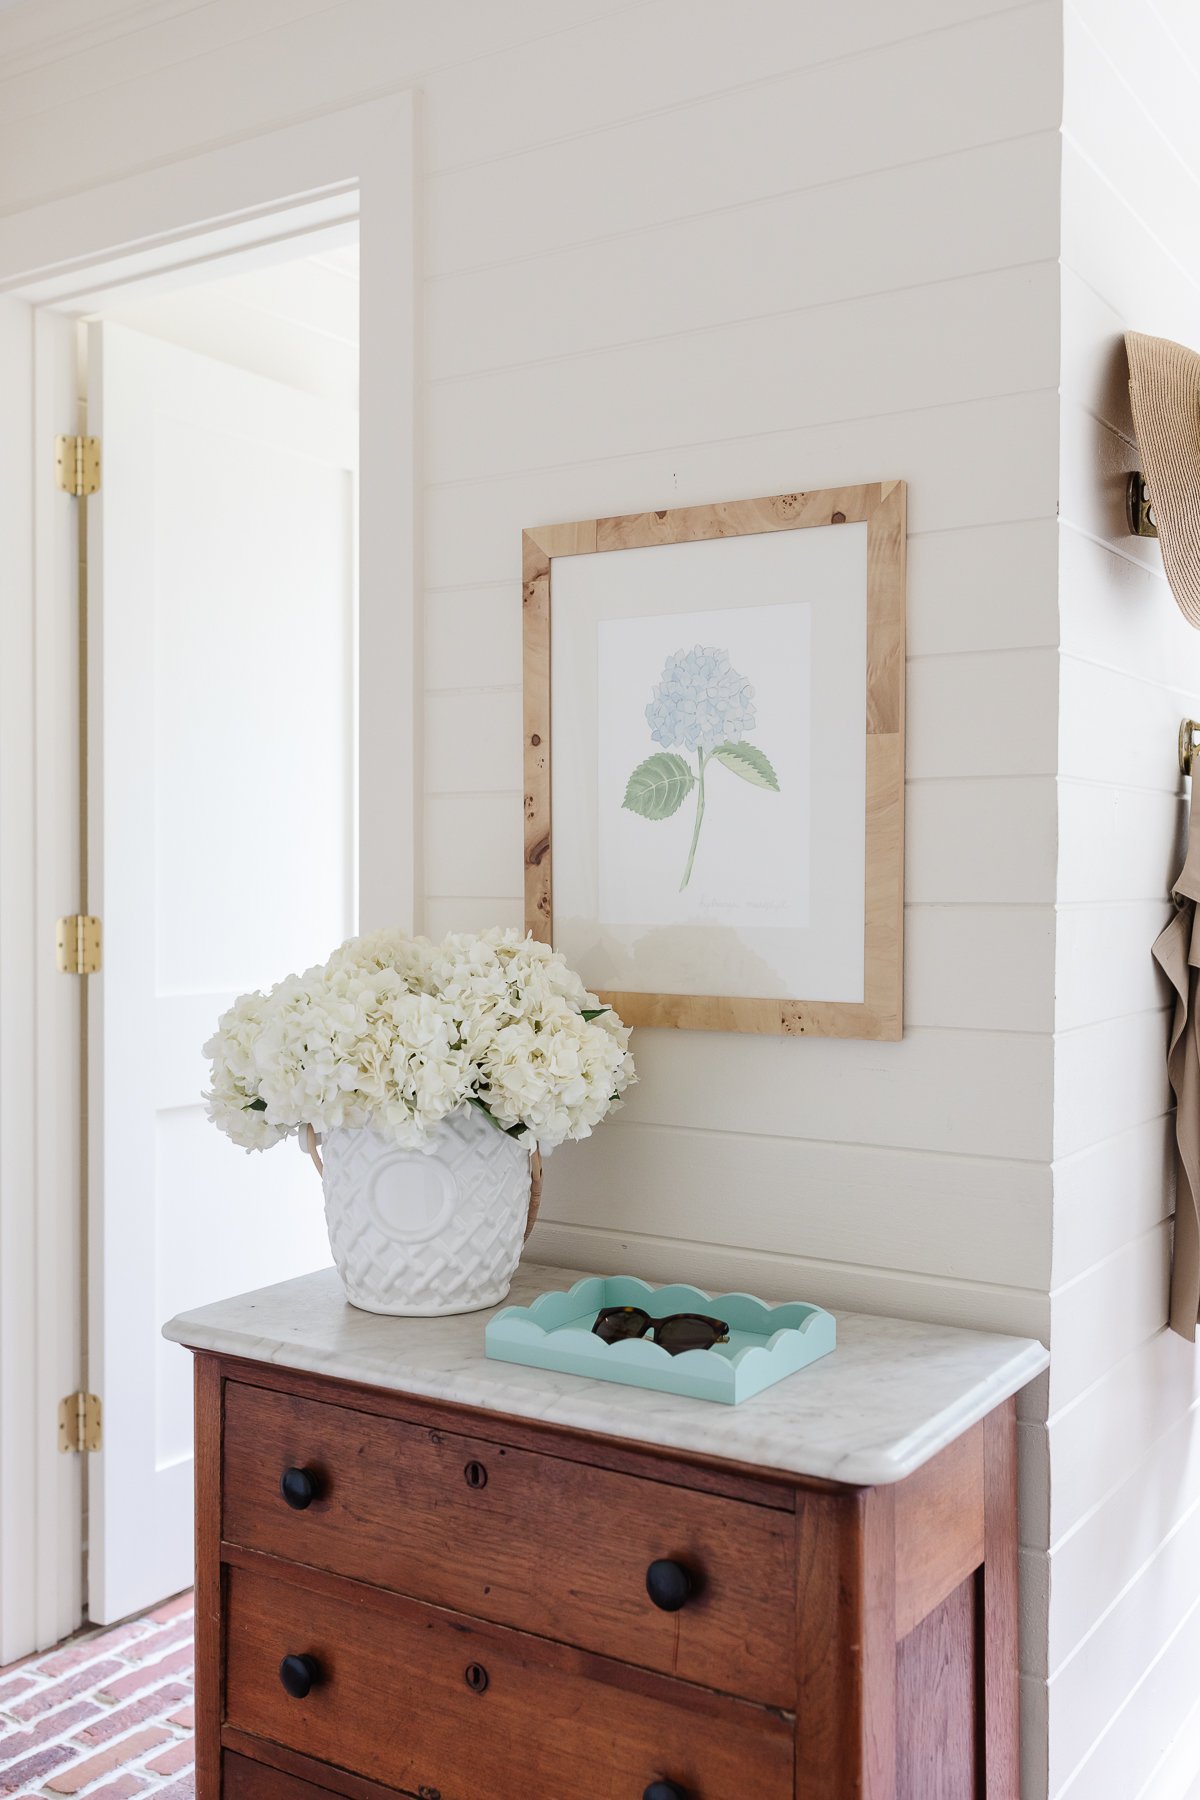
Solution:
(120, 1789)
(50, 1726)
(142, 1676)
(149, 1706)
(105, 1716)
(181, 1755)
(117, 1756)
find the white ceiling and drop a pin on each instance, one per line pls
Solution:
(291, 321)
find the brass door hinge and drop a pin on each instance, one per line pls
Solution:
(78, 463)
(79, 1422)
(78, 944)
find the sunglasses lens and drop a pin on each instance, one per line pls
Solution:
(620, 1322)
(678, 1335)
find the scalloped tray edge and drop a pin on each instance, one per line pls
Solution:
(547, 1335)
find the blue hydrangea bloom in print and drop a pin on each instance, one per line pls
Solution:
(703, 705)
(700, 702)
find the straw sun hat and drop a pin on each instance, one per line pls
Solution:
(1164, 389)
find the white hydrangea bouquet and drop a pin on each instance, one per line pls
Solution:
(428, 1072)
(397, 1033)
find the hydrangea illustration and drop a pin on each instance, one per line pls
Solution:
(701, 704)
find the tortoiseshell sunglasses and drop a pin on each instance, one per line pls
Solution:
(676, 1333)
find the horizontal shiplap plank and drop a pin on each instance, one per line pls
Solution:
(1118, 843)
(1115, 1421)
(894, 228)
(233, 68)
(983, 715)
(854, 1289)
(1150, 1748)
(984, 462)
(1105, 969)
(989, 79)
(1135, 39)
(983, 842)
(979, 968)
(982, 336)
(1121, 615)
(1120, 728)
(1109, 1194)
(1087, 1693)
(1108, 1078)
(966, 1218)
(1106, 1551)
(473, 844)
(982, 588)
(993, 1089)
(1107, 244)
(473, 741)
(1116, 127)
(1102, 1316)
(444, 912)
(1095, 368)
(1183, 22)
(672, 53)
(473, 636)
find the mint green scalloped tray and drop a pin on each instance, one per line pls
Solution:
(766, 1343)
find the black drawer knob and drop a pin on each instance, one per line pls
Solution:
(668, 1584)
(298, 1487)
(476, 1677)
(665, 1790)
(299, 1675)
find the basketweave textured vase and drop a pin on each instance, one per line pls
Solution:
(426, 1231)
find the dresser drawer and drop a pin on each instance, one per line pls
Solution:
(553, 1547)
(432, 1703)
(242, 1779)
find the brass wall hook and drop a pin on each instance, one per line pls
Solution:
(1139, 510)
(1187, 743)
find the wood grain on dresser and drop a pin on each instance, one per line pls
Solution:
(535, 1541)
(416, 1697)
(471, 1589)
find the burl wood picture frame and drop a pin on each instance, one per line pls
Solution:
(822, 811)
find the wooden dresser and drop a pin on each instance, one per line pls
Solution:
(400, 1589)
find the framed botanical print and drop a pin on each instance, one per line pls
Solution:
(714, 760)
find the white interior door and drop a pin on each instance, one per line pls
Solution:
(222, 845)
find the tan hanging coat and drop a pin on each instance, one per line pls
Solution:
(1177, 949)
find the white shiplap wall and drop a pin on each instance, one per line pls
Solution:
(678, 251)
(1123, 1644)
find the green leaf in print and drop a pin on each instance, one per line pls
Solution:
(748, 761)
(659, 786)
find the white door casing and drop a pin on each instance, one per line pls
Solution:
(254, 197)
(222, 740)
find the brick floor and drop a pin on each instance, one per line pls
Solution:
(105, 1716)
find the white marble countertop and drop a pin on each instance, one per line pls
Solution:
(890, 1396)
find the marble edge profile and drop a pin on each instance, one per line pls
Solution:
(858, 1467)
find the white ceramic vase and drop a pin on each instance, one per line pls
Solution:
(427, 1231)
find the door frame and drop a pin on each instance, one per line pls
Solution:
(246, 202)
